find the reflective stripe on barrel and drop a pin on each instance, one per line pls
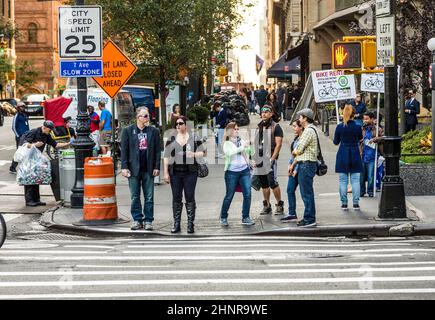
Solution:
(99, 199)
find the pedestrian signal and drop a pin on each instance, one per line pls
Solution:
(346, 55)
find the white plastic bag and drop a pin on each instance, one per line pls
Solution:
(34, 169)
(21, 153)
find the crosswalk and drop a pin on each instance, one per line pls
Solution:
(218, 268)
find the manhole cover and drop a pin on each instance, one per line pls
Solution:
(52, 237)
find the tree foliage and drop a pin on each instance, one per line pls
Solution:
(26, 74)
(169, 39)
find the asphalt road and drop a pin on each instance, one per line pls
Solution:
(35, 264)
(7, 146)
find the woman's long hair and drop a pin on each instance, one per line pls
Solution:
(348, 113)
(227, 134)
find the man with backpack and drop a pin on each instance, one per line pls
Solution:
(306, 154)
(268, 143)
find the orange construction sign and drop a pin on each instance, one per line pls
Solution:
(117, 69)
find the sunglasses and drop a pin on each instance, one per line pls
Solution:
(145, 116)
(179, 123)
(266, 110)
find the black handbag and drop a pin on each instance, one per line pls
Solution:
(322, 168)
(202, 170)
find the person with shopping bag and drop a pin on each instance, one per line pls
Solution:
(36, 139)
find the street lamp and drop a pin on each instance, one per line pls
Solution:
(431, 47)
(83, 145)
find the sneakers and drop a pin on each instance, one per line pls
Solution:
(248, 221)
(224, 222)
(356, 207)
(344, 207)
(289, 218)
(137, 225)
(267, 209)
(13, 171)
(279, 208)
(305, 224)
(148, 226)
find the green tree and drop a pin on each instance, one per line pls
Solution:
(166, 36)
(26, 74)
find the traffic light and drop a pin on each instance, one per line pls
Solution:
(222, 71)
(354, 55)
(346, 55)
(3, 46)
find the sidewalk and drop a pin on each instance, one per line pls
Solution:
(210, 192)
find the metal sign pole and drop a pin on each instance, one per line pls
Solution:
(338, 114)
(113, 138)
(377, 135)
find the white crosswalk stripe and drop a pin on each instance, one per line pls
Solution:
(217, 267)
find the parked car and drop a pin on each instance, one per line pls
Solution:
(34, 104)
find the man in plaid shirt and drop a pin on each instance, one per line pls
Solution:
(306, 158)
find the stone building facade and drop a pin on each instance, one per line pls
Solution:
(38, 44)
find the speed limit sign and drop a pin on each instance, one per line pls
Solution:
(80, 32)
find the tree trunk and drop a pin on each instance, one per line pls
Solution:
(162, 89)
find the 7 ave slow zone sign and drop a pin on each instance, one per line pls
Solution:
(118, 69)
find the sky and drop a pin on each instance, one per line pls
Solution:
(250, 34)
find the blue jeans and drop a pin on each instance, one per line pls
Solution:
(369, 176)
(343, 179)
(291, 194)
(221, 133)
(306, 173)
(232, 178)
(146, 181)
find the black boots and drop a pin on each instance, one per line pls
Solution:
(177, 207)
(190, 208)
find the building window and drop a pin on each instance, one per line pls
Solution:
(9, 9)
(33, 33)
(3, 8)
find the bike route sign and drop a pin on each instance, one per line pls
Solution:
(81, 68)
(333, 85)
(372, 82)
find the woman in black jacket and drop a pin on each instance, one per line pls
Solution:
(182, 153)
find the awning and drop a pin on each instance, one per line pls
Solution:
(343, 13)
(283, 69)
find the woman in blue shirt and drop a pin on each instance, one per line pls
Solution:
(348, 162)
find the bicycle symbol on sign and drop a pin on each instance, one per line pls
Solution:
(328, 91)
(372, 83)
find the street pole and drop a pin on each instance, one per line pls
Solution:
(83, 144)
(433, 103)
(431, 47)
(392, 203)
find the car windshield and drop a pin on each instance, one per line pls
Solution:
(141, 96)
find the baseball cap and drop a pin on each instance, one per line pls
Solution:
(21, 104)
(48, 124)
(306, 113)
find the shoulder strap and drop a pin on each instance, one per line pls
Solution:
(319, 155)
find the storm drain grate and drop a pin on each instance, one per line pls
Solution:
(53, 237)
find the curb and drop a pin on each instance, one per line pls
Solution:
(368, 230)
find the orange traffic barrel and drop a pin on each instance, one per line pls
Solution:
(99, 199)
